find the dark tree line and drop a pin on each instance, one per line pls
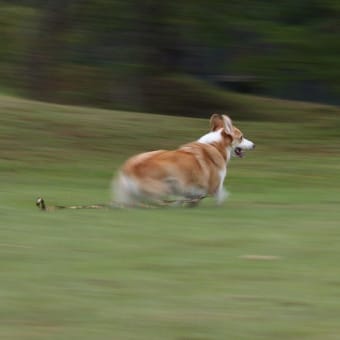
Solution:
(127, 53)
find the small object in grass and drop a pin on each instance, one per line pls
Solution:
(40, 203)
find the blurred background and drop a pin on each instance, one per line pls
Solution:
(263, 266)
(169, 56)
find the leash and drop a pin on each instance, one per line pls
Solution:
(40, 203)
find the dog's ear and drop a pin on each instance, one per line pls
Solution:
(227, 136)
(228, 125)
(216, 122)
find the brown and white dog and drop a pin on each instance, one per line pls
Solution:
(193, 171)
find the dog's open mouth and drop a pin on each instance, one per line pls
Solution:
(238, 152)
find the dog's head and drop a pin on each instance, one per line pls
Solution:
(239, 143)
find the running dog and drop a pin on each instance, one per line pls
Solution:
(190, 173)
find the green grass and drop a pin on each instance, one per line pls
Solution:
(167, 273)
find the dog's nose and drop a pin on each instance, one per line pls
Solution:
(254, 145)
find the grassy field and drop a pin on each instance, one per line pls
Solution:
(265, 265)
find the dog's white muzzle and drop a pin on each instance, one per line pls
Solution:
(244, 145)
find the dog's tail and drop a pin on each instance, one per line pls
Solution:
(125, 190)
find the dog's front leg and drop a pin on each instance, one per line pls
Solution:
(221, 194)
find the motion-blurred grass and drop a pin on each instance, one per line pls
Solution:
(168, 273)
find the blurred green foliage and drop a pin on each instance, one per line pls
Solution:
(109, 52)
